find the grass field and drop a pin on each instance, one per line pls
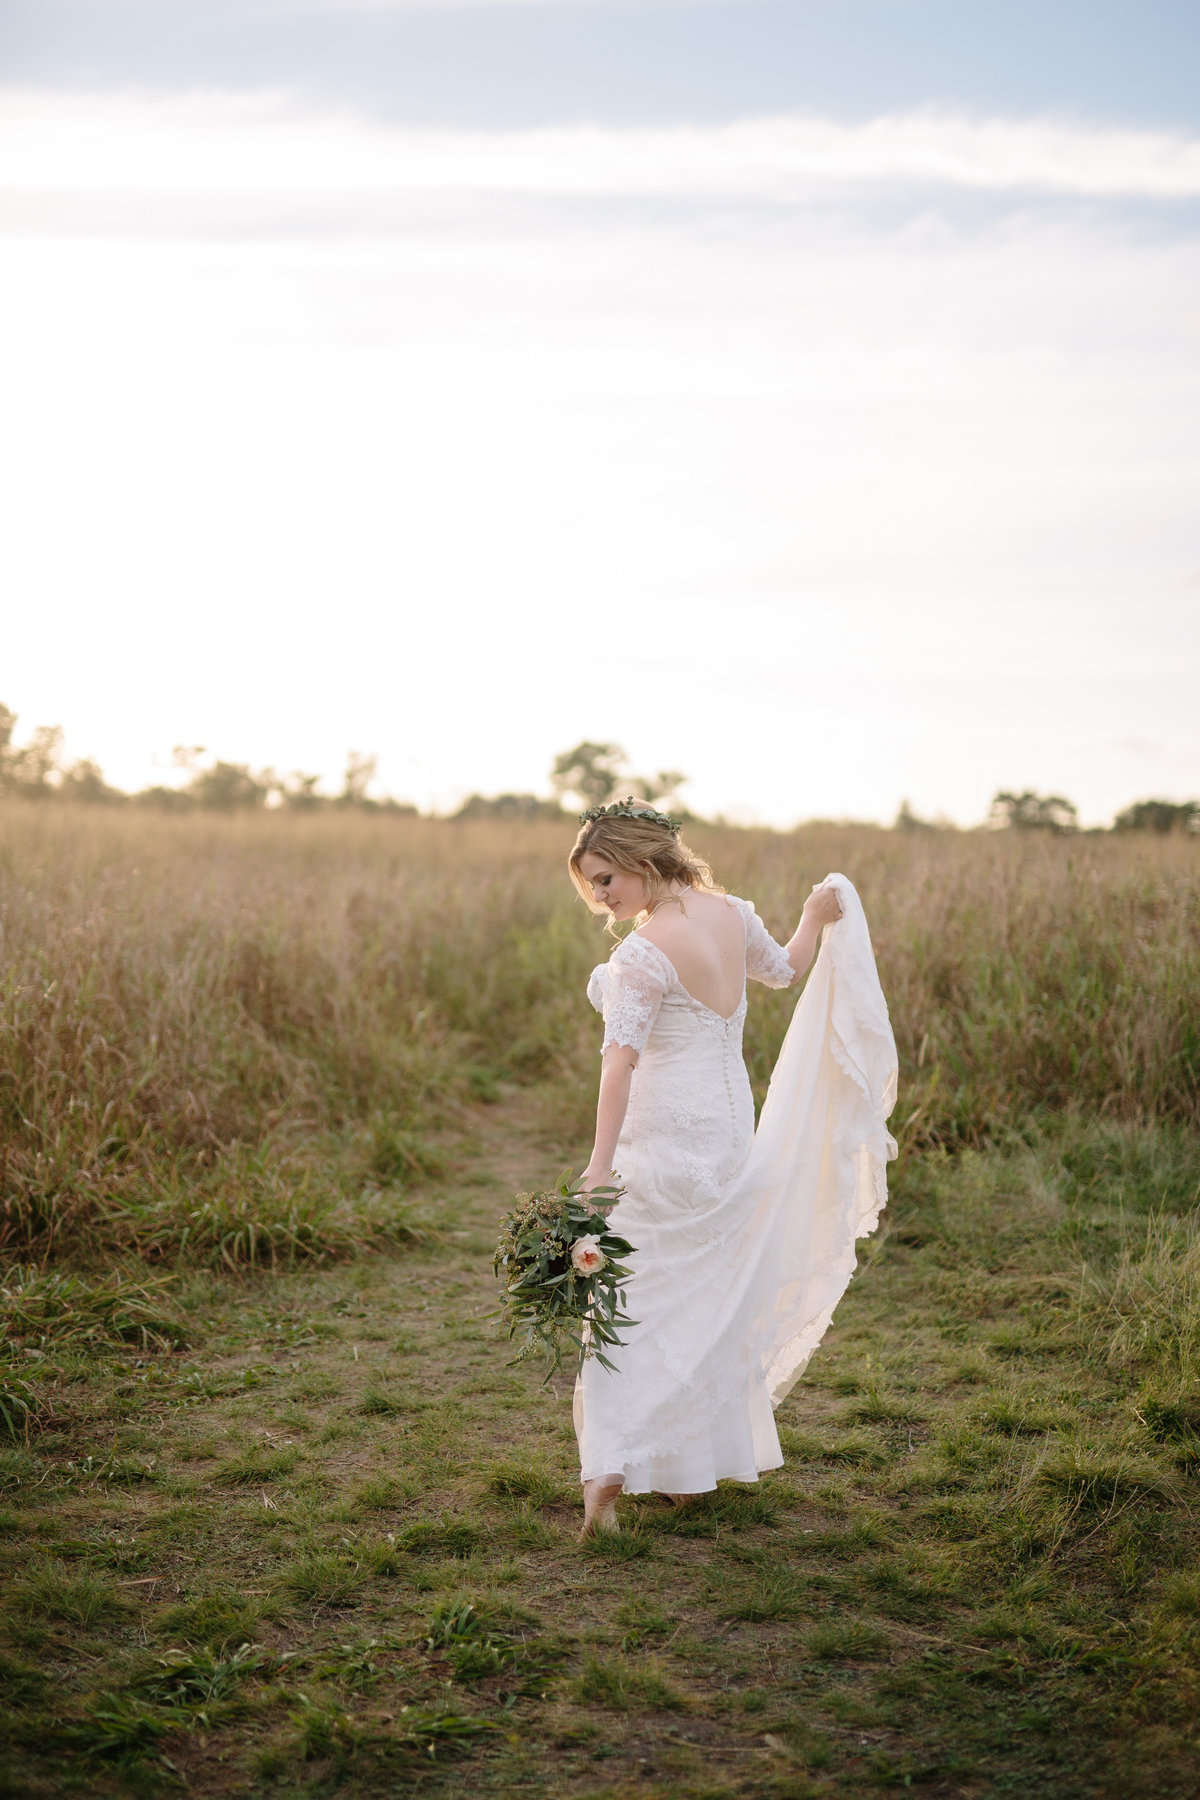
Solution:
(278, 1519)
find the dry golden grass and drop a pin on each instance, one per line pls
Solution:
(237, 1038)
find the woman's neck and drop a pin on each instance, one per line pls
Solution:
(676, 891)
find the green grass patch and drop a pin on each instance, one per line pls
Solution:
(975, 1573)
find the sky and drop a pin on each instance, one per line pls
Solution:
(804, 394)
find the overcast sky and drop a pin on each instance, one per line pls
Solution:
(804, 394)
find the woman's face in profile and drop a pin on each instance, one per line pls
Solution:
(616, 890)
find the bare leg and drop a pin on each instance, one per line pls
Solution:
(600, 1504)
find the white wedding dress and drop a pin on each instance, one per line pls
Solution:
(744, 1241)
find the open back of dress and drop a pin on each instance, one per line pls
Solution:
(744, 1242)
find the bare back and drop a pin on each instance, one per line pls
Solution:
(704, 936)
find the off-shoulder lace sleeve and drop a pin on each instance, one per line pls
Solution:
(628, 989)
(766, 961)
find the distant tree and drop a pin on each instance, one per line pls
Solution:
(84, 780)
(360, 773)
(1159, 815)
(1034, 812)
(28, 769)
(907, 820)
(508, 806)
(590, 771)
(227, 787)
(300, 791)
(167, 799)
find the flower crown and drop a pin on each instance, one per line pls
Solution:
(630, 809)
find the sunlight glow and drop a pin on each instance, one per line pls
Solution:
(458, 445)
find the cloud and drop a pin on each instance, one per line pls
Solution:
(392, 6)
(224, 142)
(343, 6)
(309, 419)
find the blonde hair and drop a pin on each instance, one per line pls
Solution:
(638, 847)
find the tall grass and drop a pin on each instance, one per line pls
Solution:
(240, 1038)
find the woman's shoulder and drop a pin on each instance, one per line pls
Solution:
(672, 928)
(637, 950)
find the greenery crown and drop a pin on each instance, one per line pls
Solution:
(630, 809)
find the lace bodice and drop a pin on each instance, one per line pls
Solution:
(632, 986)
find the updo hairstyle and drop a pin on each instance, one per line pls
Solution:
(638, 847)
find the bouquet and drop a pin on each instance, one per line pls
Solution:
(562, 1276)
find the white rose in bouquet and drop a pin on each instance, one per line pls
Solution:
(587, 1258)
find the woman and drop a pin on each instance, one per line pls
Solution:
(743, 1242)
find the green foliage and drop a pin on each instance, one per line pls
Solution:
(622, 1546)
(378, 1494)
(874, 1408)
(355, 1664)
(20, 1682)
(509, 807)
(18, 1403)
(624, 1684)
(255, 1465)
(385, 1402)
(589, 771)
(1035, 812)
(516, 1480)
(324, 1578)
(444, 1536)
(18, 1468)
(28, 770)
(204, 1677)
(628, 809)
(49, 1306)
(50, 1589)
(215, 1621)
(458, 1636)
(851, 1640)
(402, 1156)
(544, 1296)
(228, 786)
(1159, 815)
(1175, 1422)
(326, 1731)
(777, 1596)
(1093, 1483)
(122, 1725)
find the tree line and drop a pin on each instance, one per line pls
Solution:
(589, 774)
(37, 771)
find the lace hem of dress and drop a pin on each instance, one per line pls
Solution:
(627, 1024)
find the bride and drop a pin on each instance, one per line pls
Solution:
(744, 1241)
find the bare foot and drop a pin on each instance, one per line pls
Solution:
(681, 1499)
(600, 1506)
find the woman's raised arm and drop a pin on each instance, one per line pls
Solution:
(820, 909)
